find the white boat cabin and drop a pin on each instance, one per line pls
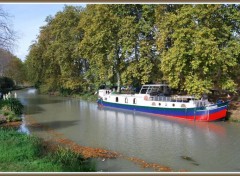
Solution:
(157, 95)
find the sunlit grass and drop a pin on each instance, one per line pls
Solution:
(24, 153)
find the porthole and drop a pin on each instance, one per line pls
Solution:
(153, 103)
(159, 104)
(173, 104)
(105, 98)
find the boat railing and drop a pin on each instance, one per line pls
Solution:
(171, 99)
(159, 98)
(183, 99)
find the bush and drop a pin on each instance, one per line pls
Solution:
(11, 104)
(6, 84)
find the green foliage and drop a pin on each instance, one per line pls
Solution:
(9, 115)
(194, 48)
(6, 84)
(15, 70)
(11, 104)
(71, 161)
(199, 46)
(24, 153)
(119, 43)
(52, 61)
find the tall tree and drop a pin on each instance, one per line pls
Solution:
(141, 67)
(119, 43)
(199, 46)
(7, 34)
(106, 42)
(5, 59)
(66, 65)
(34, 64)
(55, 52)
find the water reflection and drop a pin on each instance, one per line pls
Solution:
(23, 128)
(32, 91)
(213, 146)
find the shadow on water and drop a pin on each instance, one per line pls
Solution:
(42, 101)
(55, 125)
(33, 105)
(30, 110)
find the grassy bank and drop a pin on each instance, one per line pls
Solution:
(24, 153)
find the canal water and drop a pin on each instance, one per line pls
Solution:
(178, 144)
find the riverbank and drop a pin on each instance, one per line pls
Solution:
(58, 139)
(234, 112)
(56, 155)
(24, 153)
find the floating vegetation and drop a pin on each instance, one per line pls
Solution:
(188, 158)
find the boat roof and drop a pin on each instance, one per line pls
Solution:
(154, 85)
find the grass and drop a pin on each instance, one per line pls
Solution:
(23, 153)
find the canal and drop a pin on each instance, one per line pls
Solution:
(178, 144)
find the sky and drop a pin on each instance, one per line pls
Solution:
(26, 19)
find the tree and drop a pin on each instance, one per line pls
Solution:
(199, 46)
(119, 44)
(53, 62)
(5, 59)
(62, 51)
(34, 64)
(7, 35)
(105, 43)
(142, 67)
(15, 70)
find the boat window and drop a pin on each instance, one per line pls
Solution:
(116, 99)
(143, 91)
(159, 104)
(105, 98)
(126, 100)
(134, 101)
(173, 104)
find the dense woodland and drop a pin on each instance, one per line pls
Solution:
(195, 48)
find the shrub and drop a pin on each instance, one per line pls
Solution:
(11, 104)
(6, 84)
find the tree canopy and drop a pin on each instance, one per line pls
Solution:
(199, 46)
(194, 48)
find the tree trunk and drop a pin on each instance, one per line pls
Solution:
(118, 81)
